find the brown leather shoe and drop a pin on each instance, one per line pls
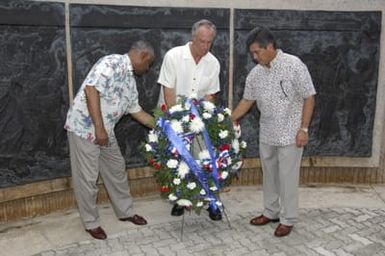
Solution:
(261, 220)
(282, 230)
(97, 233)
(136, 219)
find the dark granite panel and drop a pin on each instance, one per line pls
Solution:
(341, 50)
(118, 29)
(33, 101)
(107, 16)
(32, 13)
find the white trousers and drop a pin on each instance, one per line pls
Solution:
(87, 161)
(280, 166)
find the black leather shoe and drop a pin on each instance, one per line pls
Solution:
(214, 215)
(177, 210)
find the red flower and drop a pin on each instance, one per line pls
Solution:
(151, 161)
(224, 147)
(157, 165)
(192, 116)
(164, 189)
(163, 107)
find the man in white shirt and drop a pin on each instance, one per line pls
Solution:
(192, 71)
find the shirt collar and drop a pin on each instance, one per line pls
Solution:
(187, 53)
(276, 59)
(129, 65)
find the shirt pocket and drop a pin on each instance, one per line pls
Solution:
(204, 85)
(286, 90)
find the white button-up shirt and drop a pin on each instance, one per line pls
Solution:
(179, 71)
(113, 77)
(279, 92)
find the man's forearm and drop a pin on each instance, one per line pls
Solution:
(144, 118)
(307, 111)
(93, 104)
(242, 108)
(169, 96)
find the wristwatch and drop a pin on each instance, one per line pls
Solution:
(304, 129)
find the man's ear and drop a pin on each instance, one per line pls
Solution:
(143, 55)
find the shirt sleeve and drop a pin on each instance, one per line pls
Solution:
(167, 75)
(303, 82)
(214, 84)
(100, 75)
(249, 92)
(133, 106)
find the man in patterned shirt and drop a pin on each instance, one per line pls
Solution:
(281, 86)
(108, 92)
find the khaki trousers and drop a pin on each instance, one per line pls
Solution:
(280, 166)
(87, 161)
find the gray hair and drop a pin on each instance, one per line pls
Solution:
(142, 45)
(204, 22)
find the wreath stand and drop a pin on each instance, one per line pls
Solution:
(183, 221)
(197, 140)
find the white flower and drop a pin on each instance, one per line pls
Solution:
(176, 126)
(176, 108)
(196, 125)
(202, 192)
(227, 111)
(237, 166)
(172, 163)
(152, 137)
(204, 154)
(235, 145)
(172, 197)
(224, 175)
(194, 95)
(221, 117)
(229, 161)
(206, 115)
(176, 181)
(243, 144)
(191, 185)
(223, 134)
(213, 188)
(184, 202)
(199, 204)
(183, 169)
(186, 119)
(208, 106)
(218, 203)
(148, 147)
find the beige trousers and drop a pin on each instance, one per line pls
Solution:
(87, 161)
(280, 166)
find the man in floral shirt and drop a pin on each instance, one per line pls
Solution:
(108, 92)
(281, 86)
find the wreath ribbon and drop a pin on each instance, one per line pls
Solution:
(185, 154)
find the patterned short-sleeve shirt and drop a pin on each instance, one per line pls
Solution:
(113, 77)
(279, 92)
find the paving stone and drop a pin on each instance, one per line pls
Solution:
(327, 232)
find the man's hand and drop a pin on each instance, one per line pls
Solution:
(101, 136)
(302, 138)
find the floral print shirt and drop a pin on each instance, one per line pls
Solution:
(279, 92)
(112, 76)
